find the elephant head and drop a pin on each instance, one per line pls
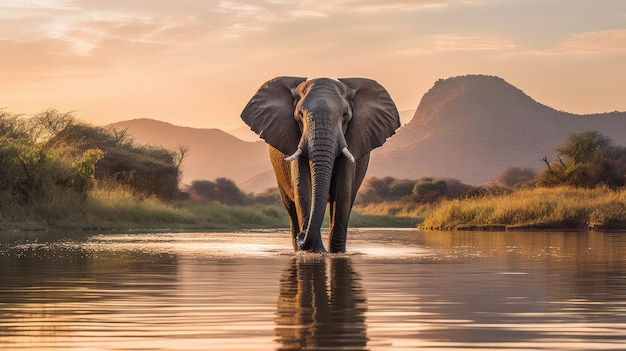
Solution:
(321, 120)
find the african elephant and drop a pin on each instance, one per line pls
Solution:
(320, 133)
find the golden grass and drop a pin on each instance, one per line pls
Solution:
(561, 207)
(400, 208)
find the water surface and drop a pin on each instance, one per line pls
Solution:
(395, 290)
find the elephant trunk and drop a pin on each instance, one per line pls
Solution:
(322, 155)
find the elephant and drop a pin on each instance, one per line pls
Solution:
(320, 133)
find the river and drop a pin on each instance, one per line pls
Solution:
(394, 290)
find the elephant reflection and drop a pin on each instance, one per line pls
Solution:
(321, 305)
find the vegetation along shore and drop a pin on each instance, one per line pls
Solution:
(57, 173)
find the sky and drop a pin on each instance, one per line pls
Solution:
(197, 62)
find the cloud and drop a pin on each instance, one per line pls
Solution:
(396, 5)
(307, 13)
(239, 9)
(595, 42)
(471, 43)
(38, 4)
(449, 43)
(287, 10)
(587, 43)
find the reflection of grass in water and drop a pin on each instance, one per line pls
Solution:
(561, 207)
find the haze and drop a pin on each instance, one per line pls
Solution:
(196, 63)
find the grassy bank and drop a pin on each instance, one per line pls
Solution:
(561, 207)
(112, 207)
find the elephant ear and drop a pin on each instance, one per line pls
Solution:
(374, 116)
(270, 114)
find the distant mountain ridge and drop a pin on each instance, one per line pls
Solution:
(470, 127)
(474, 127)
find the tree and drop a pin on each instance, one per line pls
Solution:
(587, 159)
(384, 189)
(515, 177)
(149, 170)
(585, 146)
(428, 190)
(222, 190)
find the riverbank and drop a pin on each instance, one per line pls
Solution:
(536, 208)
(106, 209)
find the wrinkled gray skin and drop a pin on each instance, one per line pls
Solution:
(320, 117)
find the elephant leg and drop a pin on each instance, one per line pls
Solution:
(290, 207)
(285, 176)
(347, 179)
(301, 180)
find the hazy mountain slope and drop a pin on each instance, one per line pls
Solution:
(244, 133)
(212, 152)
(474, 127)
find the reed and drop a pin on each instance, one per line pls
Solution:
(561, 207)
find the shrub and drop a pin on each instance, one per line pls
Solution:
(428, 190)
(516, 177)
(268, 197)
(147, 169)
(222, 190)
(587, 159)
(375, 190)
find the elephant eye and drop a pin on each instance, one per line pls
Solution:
(346, 116)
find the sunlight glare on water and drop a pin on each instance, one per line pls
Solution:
(393, 290)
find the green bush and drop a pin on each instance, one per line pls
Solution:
(50, 162)
(222, 190)
(376, 190)
(147, 169)
(516, 177)
(40, 182)
(428, 190)
(586, 160)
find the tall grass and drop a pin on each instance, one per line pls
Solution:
(397, 208)
(112, 206)
(562, 207)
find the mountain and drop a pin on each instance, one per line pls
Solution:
(471, 128)
(474, 127)
(212, 153)
(406, 116)
(244, 133)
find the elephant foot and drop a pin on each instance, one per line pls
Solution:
(307, 245)
(337, 246)
(337, 251)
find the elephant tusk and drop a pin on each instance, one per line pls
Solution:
(294, 156)
(347, 153)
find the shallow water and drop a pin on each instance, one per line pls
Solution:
(395, 290)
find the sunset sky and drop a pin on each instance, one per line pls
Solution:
(197, 62)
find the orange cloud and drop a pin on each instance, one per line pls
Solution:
(444, 43)
(401, 5)
(471, 43)
(595, 42)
